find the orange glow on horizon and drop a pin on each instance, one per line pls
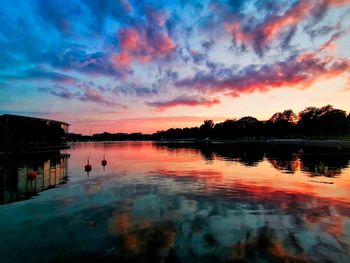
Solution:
(144, 125)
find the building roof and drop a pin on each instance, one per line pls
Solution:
(34, 118)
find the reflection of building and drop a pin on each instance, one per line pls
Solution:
(28, 134)
(14, 184)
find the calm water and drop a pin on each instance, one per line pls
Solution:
(176, 203)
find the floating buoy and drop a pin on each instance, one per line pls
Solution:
(31, 175)
(104, 161)
(88, 167)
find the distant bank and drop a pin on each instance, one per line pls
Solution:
(339, 144)
(327, 143)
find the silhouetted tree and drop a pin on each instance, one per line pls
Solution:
(248, 127)
(226, 129)
(282, 124)
(312, 121)
(287, 115)
(323, 121)
(206, 128)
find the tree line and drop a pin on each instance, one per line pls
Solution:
(324, 122)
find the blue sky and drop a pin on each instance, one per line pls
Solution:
(146, 65)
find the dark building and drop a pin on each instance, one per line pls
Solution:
(29, 134)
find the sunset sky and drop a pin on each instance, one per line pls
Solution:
(142, 66)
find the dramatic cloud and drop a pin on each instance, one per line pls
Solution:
(145, 55)
(144, 43)
(184, 101)
(77, 59)
(277, 27)
(299, 71)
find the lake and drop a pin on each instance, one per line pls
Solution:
(158, 202)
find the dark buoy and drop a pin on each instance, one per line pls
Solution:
(31, 175)
(104, 161)
(88, 167)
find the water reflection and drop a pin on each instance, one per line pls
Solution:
(314, 161)
(166, 203)
(16, 185)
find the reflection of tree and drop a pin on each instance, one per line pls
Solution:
(284, 158)
(249, 156)
(207, 153)
(325, 165)
(285, 165)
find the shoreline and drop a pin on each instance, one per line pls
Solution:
(321, 143)
(339, 144)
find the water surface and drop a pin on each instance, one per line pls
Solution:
(176, 203)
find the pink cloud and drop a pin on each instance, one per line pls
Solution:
(144, 43)
(331, 45)
(297, 72)
(123, 59)
(137, 46)
(96, 96)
